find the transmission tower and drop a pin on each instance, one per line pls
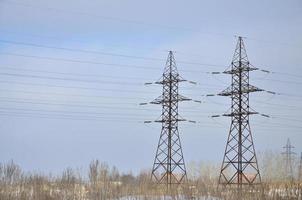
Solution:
(240, 166)
(169, 165)
(288, 153)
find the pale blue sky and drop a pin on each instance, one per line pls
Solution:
(106, 98)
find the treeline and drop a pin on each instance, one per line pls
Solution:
(105, 182)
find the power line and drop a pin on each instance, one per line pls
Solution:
(286, 118)
(280, 124)
(267, 79)
(65, 73)
(101, 63)
(111, 45)
(262, 102)
(267, 123)
(273, 42)
(97, 81)
(71, 79)
(29, 101)
(100, 52)
(279, 81)
(76, 87)
(71, 95)
(88, 81)
(59, 103)
(142, 23)
(82, 112)
(137, 22)
(289, 95)
(59, 117)
(64, 112)
(113, 54)
(97, 118)
(119, 55)
(79, 80)
(78, 50)
(287, 74)
(76, 61)
(82, 88)
(279, 105)
(79, 88)
(77, 113)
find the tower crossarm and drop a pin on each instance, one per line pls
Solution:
(230, 91)
(170, 120)
(234, 114)
(237, 70)
(163, 100)
(175, 80)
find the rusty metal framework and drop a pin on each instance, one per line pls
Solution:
(240, 166)
(169, 165)
(289, 153)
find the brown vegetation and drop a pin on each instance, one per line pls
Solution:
(104, 182)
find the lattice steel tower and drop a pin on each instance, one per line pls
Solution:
(169, 165)
(288, 153)
(239, 166)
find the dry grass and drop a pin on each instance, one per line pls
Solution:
(103, 182)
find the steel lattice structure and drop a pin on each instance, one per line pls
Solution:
(288, 160)
(240, 166)
(169, 165)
